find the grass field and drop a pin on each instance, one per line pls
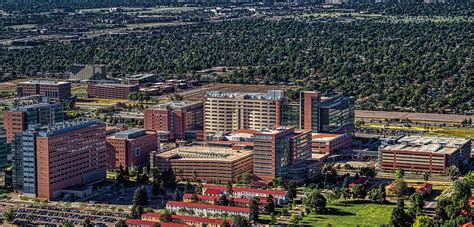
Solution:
(436, 131)
(351, 213)
(100, 101)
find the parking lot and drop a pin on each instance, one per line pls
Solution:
(35, 214)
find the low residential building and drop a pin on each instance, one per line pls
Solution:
(178, 118)
(204, 163)
(424, 189)
(326, 143)
(211, 199)
(79, 72)
(425, 153)
(188, 220)
(207, 210)
(52, 89)
(249, 193)
(144, 223)
(118, 91)
(129, 148)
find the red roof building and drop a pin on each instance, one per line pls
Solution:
(207, 209)
(240, 202)
(189, 220)
(241, 192)
(424, 189)
(144, 223)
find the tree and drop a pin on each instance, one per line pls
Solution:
(121, 223)
(453, 172)
(426, 176)
(277, 182)
(240, 221)
(399, 174)
(399, 217)
(246, 178)
(9, 215)
(373, 195)
(270, 205)
(165, 216)
(400, 188)
(382, 194)
(291, 188)
(422, 221)
(368, 171)
(316, 202)
(469, 178)
(136, 212)
(177, 195)
(230, 191)
(194, 198)
(223, 201)
(68, 224)
(140, 197)
(254, 211)
(155, 187)
(87, 223)
(358, 191)
(294, 219)
(416, 207)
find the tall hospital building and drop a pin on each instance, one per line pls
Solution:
(231, 111)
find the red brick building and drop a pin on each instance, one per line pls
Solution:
(17, 119)
(281, 153)
(69, 154)
(52, 89)
(130, 148)
(176, 118)
(325, 143)
(118, 91)
(425, 154)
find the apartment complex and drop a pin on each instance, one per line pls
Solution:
(79, 72)
(329, 113)
(231, 111)
(281, 197)
(118, 91)
(59, 156)
(187, 220)
(326, 143)
(20, 117)
(206, 210)
(282, 152)
(130, 148)
(425, 153)
(204, 163)
(54, 90)
(176, 118)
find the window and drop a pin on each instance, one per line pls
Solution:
(137, 152)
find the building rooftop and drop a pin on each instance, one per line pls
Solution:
(188, 218)
(141, 76)
(111, 85)
(208, 206)
(270, 95)
(205, 154)
(130, 133)
(27, 107)
(174, 105)
(64, 127)
(325, 137)
(431, 144)
(242, 189)
(47, 82)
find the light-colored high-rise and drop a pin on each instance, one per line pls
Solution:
(231, 111)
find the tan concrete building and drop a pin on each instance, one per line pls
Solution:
(204, 163)
(231, 111)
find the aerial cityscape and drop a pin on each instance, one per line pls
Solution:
(147, 113)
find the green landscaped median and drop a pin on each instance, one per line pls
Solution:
(351, 213)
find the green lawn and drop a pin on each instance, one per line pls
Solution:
(351, 213)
